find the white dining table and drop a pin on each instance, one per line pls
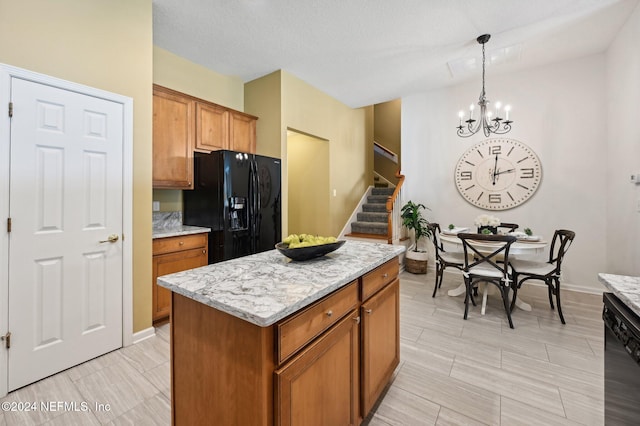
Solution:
(519, 247)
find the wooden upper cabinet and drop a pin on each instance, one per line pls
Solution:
(242, 132)
(212, 127)
(173, 139)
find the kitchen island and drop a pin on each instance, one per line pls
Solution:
(263, 340)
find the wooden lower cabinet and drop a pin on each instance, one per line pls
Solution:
(320, 386)
(326, 364)
(170, 255)
(380, 342)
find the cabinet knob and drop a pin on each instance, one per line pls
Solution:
(204, 251)
(181, 243)
(385, 275)
(329, 313)
(357, 320)
(368, 311)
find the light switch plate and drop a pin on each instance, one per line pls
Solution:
(156, 206)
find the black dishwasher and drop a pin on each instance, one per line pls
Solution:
(621, 363)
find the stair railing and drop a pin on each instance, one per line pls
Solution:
(394, 205)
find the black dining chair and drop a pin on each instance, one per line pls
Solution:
(481, 254)
(549, 272)
(508, 227)
(444, 259)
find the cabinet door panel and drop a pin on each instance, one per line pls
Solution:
(212, 127)
(380, 342)
(321, 386)
(172, 140)
(242, 133)
(169, 264)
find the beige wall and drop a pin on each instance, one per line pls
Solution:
(306, 109)
(262, 98)
(107, 45)
(308, 162)
(386, 131)
(350, 134)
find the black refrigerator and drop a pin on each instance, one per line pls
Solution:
(238, 196)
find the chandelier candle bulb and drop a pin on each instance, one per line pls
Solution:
(461, 115)
(507, 108)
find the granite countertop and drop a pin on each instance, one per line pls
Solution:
(266, 287)
(169, 224)
(175, 231)
(626, 288)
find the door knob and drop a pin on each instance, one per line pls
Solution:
(110, 239)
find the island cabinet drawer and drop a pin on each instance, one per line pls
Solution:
(293, 333)
(379, 278)
(183, 242)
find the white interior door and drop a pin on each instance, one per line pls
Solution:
(65, 198)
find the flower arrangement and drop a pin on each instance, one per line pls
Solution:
(486, 220)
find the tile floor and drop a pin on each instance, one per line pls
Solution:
(452, 372)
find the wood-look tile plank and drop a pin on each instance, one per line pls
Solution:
(160, 377)
(73, 418)
(585, 361)
(507, 383)
(584, 382)
(477, 333)
(409, 332)
(454, 346)
(52, 389)
(457, 395)
(400, 407)
(153, 411)
(448, 417)
(147, 354)
(584, 409)
(426, 356)
(94, 365)
(120, 385)
(517, 413)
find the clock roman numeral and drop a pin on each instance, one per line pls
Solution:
(495, 198)
(495, 149)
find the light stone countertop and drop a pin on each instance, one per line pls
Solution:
(626, 288)
(266, 287)
(178, 230)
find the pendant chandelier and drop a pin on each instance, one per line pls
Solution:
(486, 120)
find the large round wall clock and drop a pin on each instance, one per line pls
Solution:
(498, 174)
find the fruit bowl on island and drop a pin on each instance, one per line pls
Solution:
(305, 247)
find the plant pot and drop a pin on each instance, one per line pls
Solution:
(493, 229)
(416, 261)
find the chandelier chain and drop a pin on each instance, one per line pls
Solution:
(497, 125)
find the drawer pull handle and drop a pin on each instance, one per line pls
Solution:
(357, 320)
(329, 313)
(368, 311)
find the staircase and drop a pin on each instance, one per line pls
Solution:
(372, 221)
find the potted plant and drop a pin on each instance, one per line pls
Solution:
(415, 259)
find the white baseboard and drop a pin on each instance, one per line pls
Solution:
(143, 335)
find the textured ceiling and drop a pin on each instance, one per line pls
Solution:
(363, 52)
